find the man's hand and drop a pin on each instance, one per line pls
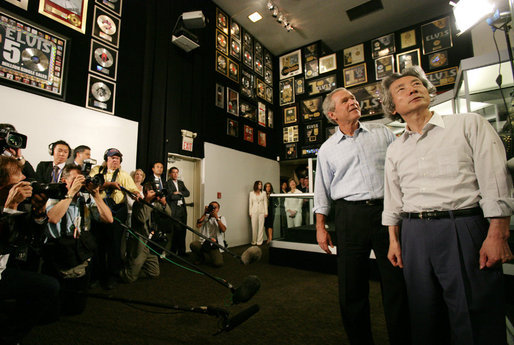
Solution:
(322, 235)
(495, 248)
(395, 250)
(114, 185)
(39, 203)
(18, 192)
(77, 184)
(162, 200)
(93, 189)
(292, 213)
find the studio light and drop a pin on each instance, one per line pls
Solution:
(469, 13)
(279, 15)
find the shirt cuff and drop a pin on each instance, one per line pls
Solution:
(391, 218)
(497, 208)
(325, 210)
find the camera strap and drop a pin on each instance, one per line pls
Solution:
(103, 170)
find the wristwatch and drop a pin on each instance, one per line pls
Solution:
(68, 196)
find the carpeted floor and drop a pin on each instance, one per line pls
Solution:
(296, 307)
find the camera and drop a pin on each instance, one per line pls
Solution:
(97, 181)
(51, 190)
(159, 238)
(210, 208)
(159, 193)
(12, 139)
(88, 163)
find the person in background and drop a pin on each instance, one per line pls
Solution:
(50, 171)
(80, 154)
(283, 216)
(293, 206)
(272, 203)
(258, 210)
(177, 192)
(138, 176)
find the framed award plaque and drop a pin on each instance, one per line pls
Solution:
(355, 75)
(325, 84)
(353, 55)
(101, 94)
(299, 86)
(369, 99)
(24, 4)
(438, 60)
(290, 115)
(270, 117)
(383, 46)
(311, 108)
(103, 60)
(407, 59)
(248, 111)
(259, 68)
(258, 49)
(221, 63)
(408, 39)
(233, 70)
(106, 27)
(269, 94)
(384, 67)
(286, 91)
(248, 40)
(311, 69)
(268, 76)
(248, 57)
(290, 151)
(235, 30)
(113, 5)
(221, 42)
(290, 134)
(261, 114)
(220, 96)
(248, 133)
(327, 63)
(261, 89)
(232, 102)
(247, 84)
(443, 77)
(261, 138)
(312, 132)
(232, 128)
(221, 21)
(268, 59)
(311, 52)
(436, 35)
(290, 64)
(70, 13)
(235, 48)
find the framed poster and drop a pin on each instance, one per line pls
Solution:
(312, 132)
(113, 5)
(290, 134)
(269, 94)
(438, 60)
(248, 133)
(436, 35)
(290, 152)
(268, 76)
(232, 102)
(408, 59)
(443, 77)
(221, 42)
(311, 52)
(353, 54)
(290, 115)
(384, 67)
(261, 89)
(103, 60)
(248, 57)
(221, 63)
(270, 117)
(220, 96)
(106, 27)
(38, 67)
(247, 84)
(261, 114)
(321, 85)
(24, 4)
(261, 138)
(235, 30)
(311, 69)
(235, 48)
(232, 128)
(259, 68)
(369, 99)
(221, 21)
(290, 64)
(248, 111)
(311, 108)
(327, 63)
(286, 89)
(408, 39)
(268, 59)
(233, 70)
(101, 94)
(299, 86)
(382, 46)
(73, 14)
(355, 75)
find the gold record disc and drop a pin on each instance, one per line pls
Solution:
(74, 19)
(101, 91)
(106, 24)
(236, 47)
(232, 68)
(34, 59)
(222, 63)
(222, 41)
(103, 57)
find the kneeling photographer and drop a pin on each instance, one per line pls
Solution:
(141, 261)
(213, 226)
(70, 245)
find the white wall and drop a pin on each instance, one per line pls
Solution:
(482, 38)
(232, 173)
(45, 120)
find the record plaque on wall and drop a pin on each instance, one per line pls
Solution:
(101, 94)
(436, 35)
(106, 27)
(383, 46)
(290, 64)
(103, 60)
(113, 5)
(70, 13)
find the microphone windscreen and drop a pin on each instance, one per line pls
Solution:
(248, 288)
(239, 318)
(251, 255)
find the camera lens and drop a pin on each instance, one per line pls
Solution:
(14, 141)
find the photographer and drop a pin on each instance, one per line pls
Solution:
(213, 226)
(35, 294)
(142, 262)
(81, 153)
(50, 171)
(11, 143)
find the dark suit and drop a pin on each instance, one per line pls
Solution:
(178, 242)
(44, 172)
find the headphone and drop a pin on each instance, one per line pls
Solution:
(112, 148)
(51, 147)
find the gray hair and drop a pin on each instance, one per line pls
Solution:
(387, 99)
(329, 104)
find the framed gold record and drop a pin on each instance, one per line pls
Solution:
(221, 42)
(103, 60)
(235, 30)
(233, 70)
(221, 64)
(221, 21)
(112, 5)
(106, 27)
(73, 14)
(101, 94)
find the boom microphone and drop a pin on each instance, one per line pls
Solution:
(247, 290)
(239, 318)
(251, 255)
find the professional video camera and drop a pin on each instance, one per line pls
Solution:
(12, 139)
(51, 190)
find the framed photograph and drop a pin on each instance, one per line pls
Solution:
(443, 77)
(258, 49)
(290, 64)
(270, 117)
(247, 84)
(261, 89)
(235, 30)
(220, 96)
(312, 132)
(72, 14)
(258, 67)
(235, 48)
(232, 128)
(408, 39)
(290, 115)
(113, 5)
(221, 42)
(248, 57)
(286, 89)
(407, 59)
(384, 67)
(103, 60)
(248, 134)
(311, 52)
(221, 63)
(248, 40)
(269, 94)
(268, 76)
(290, 151)
(438, 60)
(248, 111)
(369, 99)
(353, 54)
(221, 21)
(261, 114)
(106, 27)
(268, 59)
(24, 4)
(311, 69)
(101, 94)
(261, 138)
(233, 70)
(327, 63)
(383, 46)
(321, 85)
(290, 134)
(232, 102)
(330, 131)
(299, 86)
(355, 75)
(436, 35)
(39, 69)
(311, 108)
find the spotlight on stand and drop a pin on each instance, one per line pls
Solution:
(184, 38)
(469, 13)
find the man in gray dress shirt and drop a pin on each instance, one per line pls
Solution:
(350, 172)
(447, 183)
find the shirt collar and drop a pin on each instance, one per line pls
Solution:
(61, 165)
(340, 135)
(435, 121)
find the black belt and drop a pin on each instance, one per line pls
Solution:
(369, 202)
(475, 211)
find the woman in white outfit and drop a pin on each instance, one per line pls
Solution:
(293, 206)
(258, 209)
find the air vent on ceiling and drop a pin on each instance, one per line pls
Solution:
(364, 9)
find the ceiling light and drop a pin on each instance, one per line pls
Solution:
(255, 17)
(270, 5)
(289, 28)
(275, 12)
(280, 18)
(468, 13)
